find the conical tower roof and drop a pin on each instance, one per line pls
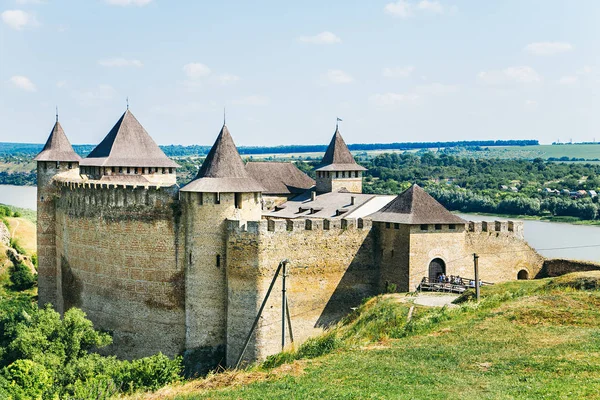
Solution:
(338, 157)
(128, 145)
(223, 170)
(58, 147)
(415, 206)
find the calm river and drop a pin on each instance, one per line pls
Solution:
(544, 236)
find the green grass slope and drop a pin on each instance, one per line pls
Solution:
(525, 340)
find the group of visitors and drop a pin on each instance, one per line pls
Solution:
(455, 280)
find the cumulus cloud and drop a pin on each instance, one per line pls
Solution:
(568, 80)
(19, 19)
(94, 96)
(523, 74)
(196, 70)
(548, 48)
(120, 62)
(394, 99)
(398, 72)
(406, 9)
(338, 76)
(321, 38)
(23, 82)
(254, 100)
(125, 3)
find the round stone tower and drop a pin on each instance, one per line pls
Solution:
(57, 157)
(222, 190)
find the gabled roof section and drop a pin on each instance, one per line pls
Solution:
(279, 178)
(58, 147)
(415, 206)
(338, 157)
(128, 145)
(223, 170)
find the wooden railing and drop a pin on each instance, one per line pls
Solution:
(457, 285)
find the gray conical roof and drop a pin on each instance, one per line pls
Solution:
(338, 157)
(128, 145)
(58, 147)
(223, 170)
(415, 206)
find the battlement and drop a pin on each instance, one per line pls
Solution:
(511, 227)
(298, 225)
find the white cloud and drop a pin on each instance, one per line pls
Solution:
(432, 6)
(531, 105)
(398, 72)
(125, 3)
(61, 84)
(120, 62)
(226, 79)
(405, 9)
(321, 38)
(568, 80)
(94, 96)
(338, 76)
(436, 89)
(523, 74)
(23, 82)
(394, 99)
(19, 19)
(586, 70)
(548, 48)
(251, 101)
(401, 9)
(196, 70)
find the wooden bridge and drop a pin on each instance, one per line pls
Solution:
(457, 285)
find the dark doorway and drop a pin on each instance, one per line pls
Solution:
(437, 266)
(523, 275)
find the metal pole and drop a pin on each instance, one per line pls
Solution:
(476, 264)
(289, 319)
(283, 307)
(262, 306)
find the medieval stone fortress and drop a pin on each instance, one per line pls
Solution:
(185, 270)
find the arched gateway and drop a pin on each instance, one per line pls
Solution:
(437, 266)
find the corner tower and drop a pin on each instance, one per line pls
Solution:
(222, 190)
(338, 169)
(57, 157)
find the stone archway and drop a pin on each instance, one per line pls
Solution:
(523, 275)
(437, 266)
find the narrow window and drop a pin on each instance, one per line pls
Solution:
(438, 227)
(128, 170)
(238, 200)
(387, 225)
(396, 226)
(217, 198)
(120, 170)
(200, 198)
(70, 165)
(190, 258)
(170, 170)
(218, 261)
(256, 198)
(392, 253)
(45, 166)
(57, 164)
(424, 227)
(452, 226)
(163, 170)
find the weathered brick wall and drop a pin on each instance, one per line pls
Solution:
(559, 266)
(392, 254)
(329, 184)
(205, 279)
(332, 269)
(119, 256)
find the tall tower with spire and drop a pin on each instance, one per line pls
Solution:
(57, 157)
(338, 169)
(221, 190)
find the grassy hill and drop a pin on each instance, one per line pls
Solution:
(526, 340)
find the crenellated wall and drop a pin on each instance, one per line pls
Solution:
(119, 256)
(331, 270)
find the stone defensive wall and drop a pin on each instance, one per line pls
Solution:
(560, 266)
(331, 270)
(119, 258)
(512, 227)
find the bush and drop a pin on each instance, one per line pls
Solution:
(27, 380)
(21, 277)
(15, 244)
(17, 214)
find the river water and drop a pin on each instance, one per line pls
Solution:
(549, 238)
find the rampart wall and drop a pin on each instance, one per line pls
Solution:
(332, 269)
(119, 255)
(560, 266)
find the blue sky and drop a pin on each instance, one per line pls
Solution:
(408, 70)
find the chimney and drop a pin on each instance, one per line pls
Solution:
(352, 200)
(313, 196)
